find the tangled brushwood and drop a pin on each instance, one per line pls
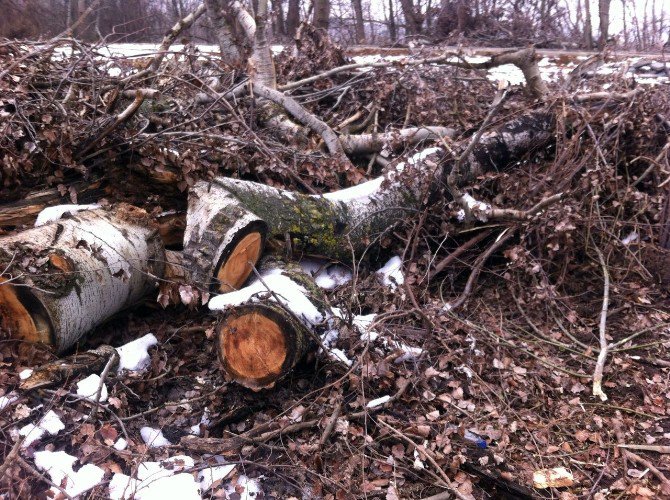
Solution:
(526, 331)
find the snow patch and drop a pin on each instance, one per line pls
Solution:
(157, 481)
(251, 488)
(58, 465)
(7, 400)
(338, 355)
(133, 356)
(153, 437)
(207, 477)
(291, 295)
(50, 424)
(88, 388)
(391, 274)
(361, 192)
(204, 420)
(326, 275)
(121, 444)
(25, 374)
(51, 214)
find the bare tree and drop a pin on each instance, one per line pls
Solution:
(604, 15)
(413, 18)
(588, 30)
(358, 18)
(292, 17)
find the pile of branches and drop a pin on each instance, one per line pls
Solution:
(510, 315)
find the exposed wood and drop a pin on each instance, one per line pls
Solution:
(64, 278)
(222, 236)
(262, 339)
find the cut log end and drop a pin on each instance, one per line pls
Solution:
(22, 316)
(236, 268)
(260, 343)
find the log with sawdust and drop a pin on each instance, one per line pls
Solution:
(229, 220)
(60, 280)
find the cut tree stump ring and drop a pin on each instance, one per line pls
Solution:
(237, 264)
(259, 343)
(22, 315)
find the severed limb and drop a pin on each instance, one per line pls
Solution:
(61, 279)
(344, 223)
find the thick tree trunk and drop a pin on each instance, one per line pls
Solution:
(413, 20)
(393, 32)
(230, 52)
(358, 18)
(227, 215)
(292, 17)
(588, 29)
(62, 279)
(604, 17)
(321, 14)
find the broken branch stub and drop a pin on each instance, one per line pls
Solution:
(60, 280)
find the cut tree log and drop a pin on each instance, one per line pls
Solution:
(229, 219)
(60, 280)
(270, 325)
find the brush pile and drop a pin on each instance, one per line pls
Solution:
(470, 369)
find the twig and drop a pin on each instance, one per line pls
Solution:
(440, 266)
(301, 114)
(604, 345)
(29, 468)
(646, 447)
(429, 456)
(112, 361)
(331, 425)
(472, 279)
(11, 456)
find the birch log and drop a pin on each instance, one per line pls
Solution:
(60, 280)
(267, 327)
(224, 212)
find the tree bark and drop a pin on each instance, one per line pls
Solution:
(604, 16)
(358, 17)
(62, 279)
(321, 14)
(230, 51)
(393, 33)
(588, 29)
(413, 20)
(292, 17)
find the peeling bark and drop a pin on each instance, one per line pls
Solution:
(62, 279)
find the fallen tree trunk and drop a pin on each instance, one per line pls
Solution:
(229, 219)
(60, 280)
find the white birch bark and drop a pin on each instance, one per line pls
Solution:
(78, 272)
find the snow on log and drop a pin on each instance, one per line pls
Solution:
(230, 217)
(267, 327)
(60, 280)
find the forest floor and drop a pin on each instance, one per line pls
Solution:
(482, 397)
